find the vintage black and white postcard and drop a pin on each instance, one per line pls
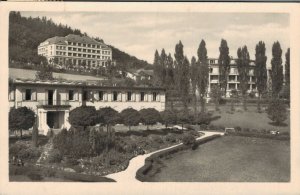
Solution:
(124, 98)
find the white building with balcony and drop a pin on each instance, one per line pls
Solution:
(75, 50)
(52, 101)
(233, 76)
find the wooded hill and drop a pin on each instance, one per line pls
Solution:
(25, 34)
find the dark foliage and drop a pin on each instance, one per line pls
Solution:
(277, 111)
(168, 117)
(25, 34)
(83, 116)
(150, 116)
(21, 119)
(130, 117)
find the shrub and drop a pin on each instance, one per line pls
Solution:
(238, 128)
(203, 127)
(24, 150)
(203, 118)
(170, 138)
(188, 139)
(156, 139)
(277, 111)
(222, 101)
(55, 156)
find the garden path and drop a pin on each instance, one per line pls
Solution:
(128, 175)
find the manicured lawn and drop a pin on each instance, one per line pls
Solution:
(247, 119)
(229, 159)
(30, 74)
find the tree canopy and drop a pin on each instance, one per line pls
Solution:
(83, 116)
(21, 118)
(130, 117)
(277, 69)
(150, 116)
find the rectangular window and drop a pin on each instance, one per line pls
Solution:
(128, 96)
(71, 95)
(142, 96)
(85, 95)
(28, 94)
(101, 95)
(154, 94)
(115, 96)
(84, 45)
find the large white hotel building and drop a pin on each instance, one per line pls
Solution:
(75, 49)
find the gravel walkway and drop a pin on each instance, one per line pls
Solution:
(128, 175)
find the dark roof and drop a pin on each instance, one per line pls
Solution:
(85, 84)
(75, 38)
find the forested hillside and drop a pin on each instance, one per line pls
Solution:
(25, 34)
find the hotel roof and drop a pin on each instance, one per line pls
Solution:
(74, 38)
(84, 84)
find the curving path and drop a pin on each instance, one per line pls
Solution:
(128, 175)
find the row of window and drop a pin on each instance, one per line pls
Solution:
(31, 95)
(232, 78)
(88, 50)
(87, 56)
(232, 71)
(237, 86)
(85, 45)
(116, 96)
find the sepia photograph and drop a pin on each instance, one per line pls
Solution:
(149, 96)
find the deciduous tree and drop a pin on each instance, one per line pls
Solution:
(224, 65)
(216, 94)
(130, 117)
(203, 74)
(168, 117)
(243, 69)
(83, 116)
(194, 75)
(260, 71)
(21, 119)
(277, 111)
(150, 116)
(277, 69)
(182, 74)
(287, 71)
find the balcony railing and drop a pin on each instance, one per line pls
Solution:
(53, 103)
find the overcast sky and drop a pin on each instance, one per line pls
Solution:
(140, 34)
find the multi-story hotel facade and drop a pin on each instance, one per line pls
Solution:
(76, 50)
(233, 76)
(52, 101)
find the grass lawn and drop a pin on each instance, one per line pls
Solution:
(30, 74)
(229, 159)
(247, 119)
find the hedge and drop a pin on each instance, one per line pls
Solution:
(260, 135)
(141, 174)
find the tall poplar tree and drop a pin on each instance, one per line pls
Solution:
(277, 69)
(169, 81)
(182, 74)
(260, 71)
(194, 71)
(287, 71)
(162, 67)
(243, 69)
(224, 65)
(203, 74)
(156, 68)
